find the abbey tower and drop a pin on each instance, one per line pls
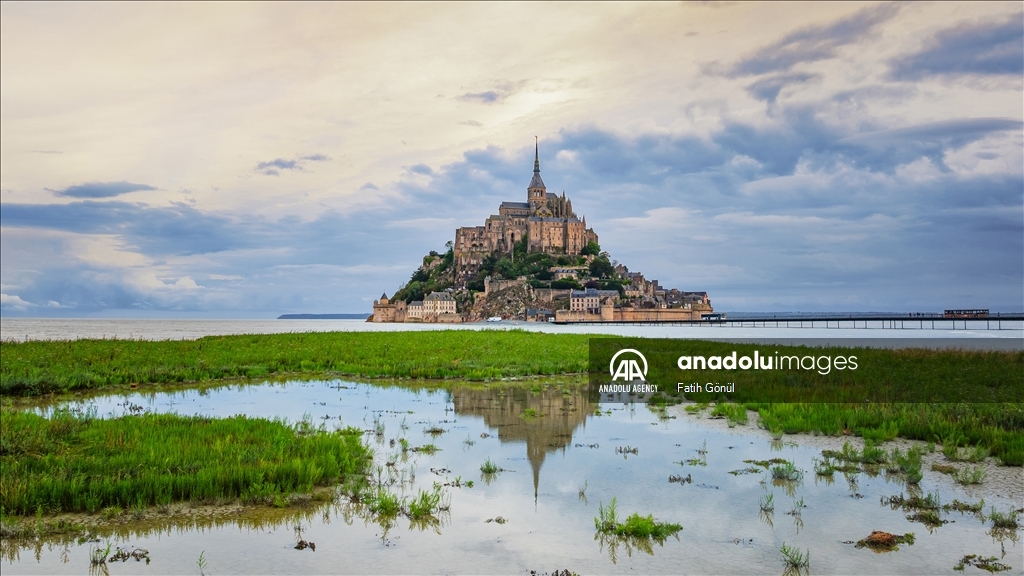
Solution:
(545, 219)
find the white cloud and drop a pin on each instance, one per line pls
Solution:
(186, 283)
(14, 302)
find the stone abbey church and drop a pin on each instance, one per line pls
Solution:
(546, 220)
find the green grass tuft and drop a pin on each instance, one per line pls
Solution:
(794, 558)
(635, 526)
(75, 463)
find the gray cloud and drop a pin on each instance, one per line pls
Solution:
(813, 43)
(768, 89)
(422, 169)
(177, 229)
(274, 167)
(957, 132)
(488, 97)
(101, 189)
(990, 48)
(499, 93)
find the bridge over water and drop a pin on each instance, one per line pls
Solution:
(911, 321)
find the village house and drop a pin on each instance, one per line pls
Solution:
(438, 303)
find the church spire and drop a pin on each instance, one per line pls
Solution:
(536, 155)
(537, 188)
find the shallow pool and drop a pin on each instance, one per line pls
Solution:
(562, 458)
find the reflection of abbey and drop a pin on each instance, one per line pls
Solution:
(545, 421)
(546, 220)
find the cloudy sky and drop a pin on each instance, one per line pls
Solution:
(247, 160)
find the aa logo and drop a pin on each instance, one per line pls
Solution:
(627, 368)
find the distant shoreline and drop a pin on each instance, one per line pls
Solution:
(324, 316)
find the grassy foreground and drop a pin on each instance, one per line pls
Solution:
(75, 463)
(32, 368)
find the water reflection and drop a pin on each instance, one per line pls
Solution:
(550, 428)
(544, 419)
(612, 543)
(177, 519)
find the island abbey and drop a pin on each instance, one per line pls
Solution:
(546, 220)
(534, 261)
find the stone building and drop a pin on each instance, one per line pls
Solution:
(436, 307)
(546, 220)
(590, 299)
(437, 303)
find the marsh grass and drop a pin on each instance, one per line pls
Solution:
(929, 518)
(786, 472)
(766, 464)
(968, 476)
(39, 367)
(70, 463)
(701, 459)
(735, 413)
(794, 558)
(824, 467)
(427, 503)
(959, 506)
(990, 564)
(993, 428)
(929, 501)
(1004, 519)
(98, 556)
(434, 430)
(530, 414)
(908, 464)
(489, 467)
(635, 525)
(386, 505)
(18, 528)
(873, 459)
(627, 450)
(201, 563)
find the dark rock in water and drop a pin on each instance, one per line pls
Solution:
(885, 542)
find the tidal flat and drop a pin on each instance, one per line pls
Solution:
(55, 368)
(556, 460)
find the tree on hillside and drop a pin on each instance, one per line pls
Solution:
(507, 269)
(601, 268)
(591, 249)
(566, 283)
